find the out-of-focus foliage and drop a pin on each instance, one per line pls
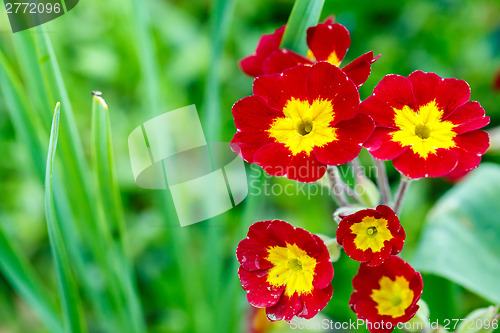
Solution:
(151, 56)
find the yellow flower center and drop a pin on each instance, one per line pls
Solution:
(393, 297)
(423, 131)
(371, 233)
(304, 125)
(292, 267)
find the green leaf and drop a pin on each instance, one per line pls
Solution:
(103, 166)
(112, 230)
(68, 292)
(460, 238)
(305, 13)
(22, 114)
(16, 268)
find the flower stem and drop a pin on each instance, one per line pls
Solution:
(383, 181)
(336, 183)
(357, 172)
(400, 194)
(356, 167)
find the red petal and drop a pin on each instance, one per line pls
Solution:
(261, 294)
(326, 81)
(314, 302)
(247, 143)
(457, 174)
(392, 92)
(324, 269)
(253, 64)
(473, 142)
(448, 93)
(380, 256)
(367, 279)
(286, 308)
(253, 113)
(280, 233)
(381, 146)
(278, 89)
(468, 117)
(283, 59)
(329, 20)
(337, 152)
(252, 253)
(466, 162)
(363, 308)
(325, 39)
(436, 165)
(360, 68)
(355, 130)
(258, 228)
(353, 251)
(305, 168)
(273, 158)
(291, 235)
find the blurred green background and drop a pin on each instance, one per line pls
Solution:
(151, 56)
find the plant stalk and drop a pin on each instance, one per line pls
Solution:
(401, 193)
(383, 181)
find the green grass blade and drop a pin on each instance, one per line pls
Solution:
(67, 288)
(76, 172)
(33, 80)
(148, 60)
(305, 13)
(221, 16)
(111, 208)
(21, 113)
(16, 268)
(178, 239)
(103, 167)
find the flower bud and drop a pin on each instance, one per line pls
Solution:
(367, 191)
(332, 246)
(420, 321)
(483, 320)
(342, 212)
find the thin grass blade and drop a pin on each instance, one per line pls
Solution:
(112, 226)
(68, 293)
(16, 268)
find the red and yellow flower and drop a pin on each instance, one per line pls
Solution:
(386, 295)
(327, 41)
(426, 124)
(299, 121)
(371, 235)
(284, 269)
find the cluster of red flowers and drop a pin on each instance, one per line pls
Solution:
(305, 114)
(288, 272)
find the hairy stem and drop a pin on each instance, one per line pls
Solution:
(383, 181)
(400, 194)
(336, 183)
